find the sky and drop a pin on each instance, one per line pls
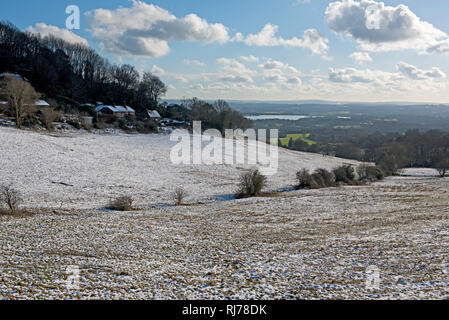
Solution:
(347, 50)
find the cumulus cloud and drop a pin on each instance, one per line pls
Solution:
(361, 57)
(249, 59)
(414, 73)
(196, 63)
(348, 75)
(267, 37)
(145, 29)
(157, 70)
(440, 47)
(404, 72)
(65, 34)
(377, 27)
(235, 71)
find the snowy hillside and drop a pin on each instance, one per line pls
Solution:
(87, 170)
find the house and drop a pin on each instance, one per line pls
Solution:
(39, 103)
(13, 75)
(42, 104)
(154, 115)
(115, 111)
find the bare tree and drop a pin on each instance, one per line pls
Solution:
(152, 86)
(10, 197)
(178, 196)
(21, 97)
(221, 106)
(443, 167)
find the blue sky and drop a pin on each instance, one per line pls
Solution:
(308, 50)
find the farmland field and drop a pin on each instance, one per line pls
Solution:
(314, 244)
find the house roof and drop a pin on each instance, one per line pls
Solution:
(42, 103)
(153, 114)
(115, 108)
(13, 75)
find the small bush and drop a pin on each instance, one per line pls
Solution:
(251, 183)
(10, 197)
(146, 127)
(124, 203)
(374, 173)
(48, 116)
(305, 180)
(74, 123)
(370, 173)
(344, 174)
(324, 178)
(179, 195)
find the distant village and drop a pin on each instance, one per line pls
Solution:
(49, 115)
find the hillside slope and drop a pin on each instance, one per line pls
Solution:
(85, 171)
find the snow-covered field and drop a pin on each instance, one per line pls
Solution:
(98, 168)
(296, 245)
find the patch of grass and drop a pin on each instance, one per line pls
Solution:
(296, 136)
(21, 213)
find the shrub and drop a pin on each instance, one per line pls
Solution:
(374, 173)
(361, 171)
(324, 178)
(370, 173)
(10, 197)
(251, 183)
(74, 123)
(124, 203)
(344, 174)
(179, 195)
(146, 127)
(305, 180)
(48, 116)
(442, 166)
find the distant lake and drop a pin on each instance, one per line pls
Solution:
(277, 117)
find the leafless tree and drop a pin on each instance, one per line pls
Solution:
(10, 197)
(152, 87)
(179, 195)
(21, 97)
(443, 167)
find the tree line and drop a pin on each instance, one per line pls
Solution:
(75, 74)
(390, 151)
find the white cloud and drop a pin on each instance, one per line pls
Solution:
(145, 29)
(157, 70)
(377, 27)
(404, 75)
(272, 64)
(361, 57)
(348, 75)
(441, 47)
(267, 37)
(64, 34)
(249, 59)
(414, 73)
(196, 63)
(235, 71)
